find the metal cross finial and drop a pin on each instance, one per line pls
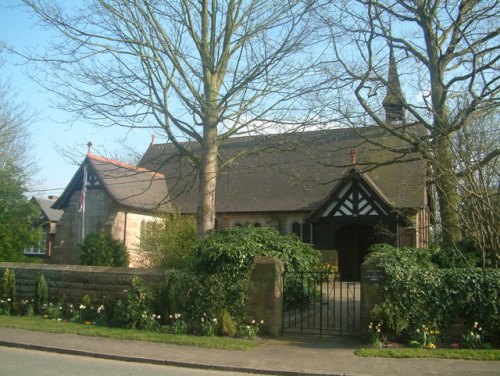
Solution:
(89, 144)
(354, 156)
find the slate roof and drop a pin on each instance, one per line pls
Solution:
(52, 215)
(129, 186)
(296, 172)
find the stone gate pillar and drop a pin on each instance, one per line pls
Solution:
(372, 284)
(265, 295)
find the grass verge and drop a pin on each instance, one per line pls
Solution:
(48, 326)
(466, 354)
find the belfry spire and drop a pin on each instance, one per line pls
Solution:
(394, 111)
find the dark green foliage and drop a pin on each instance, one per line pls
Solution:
(41, 294)
(17, 216)
(9, 285)
(417, 292)
(465, 255)
(100, 249)
(232, 252)
(168, 242)
(199, 294)
(140, 304)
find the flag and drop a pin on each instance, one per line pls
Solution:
(84, 190)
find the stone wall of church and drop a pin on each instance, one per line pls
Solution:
(127, 228)
(74, 225)
(101, 214)
(281, 221)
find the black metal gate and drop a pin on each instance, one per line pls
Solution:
(329, 306)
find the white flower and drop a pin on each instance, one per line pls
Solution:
(378, 330)
(169, 316)
(262, 321)
(476, 324)
(82, 306)
(248, 327)
(253, 321)
(177, 316)
(158, 317)
(214, 320)
(8, 299)
(202, 319)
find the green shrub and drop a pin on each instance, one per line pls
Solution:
(140, 304)
(9, 285)
(465, 255)
(100, 249)
(417, 292)
(168, 242)
(231, 253)
(199, 294)
(41, 294)
(227, 325)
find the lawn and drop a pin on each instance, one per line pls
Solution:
(50, 326)
(466, 354)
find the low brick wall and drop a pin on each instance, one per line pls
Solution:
(75, 281)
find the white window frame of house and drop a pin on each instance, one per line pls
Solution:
(38, 250)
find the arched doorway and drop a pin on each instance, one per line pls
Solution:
(352, 243)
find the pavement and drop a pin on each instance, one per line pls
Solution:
(292, 356)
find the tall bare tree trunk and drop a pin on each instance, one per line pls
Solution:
(205, 218)
(447, 192)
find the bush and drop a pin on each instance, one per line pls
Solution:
(231, 253)
(200, 295)
(41, 294)
(417, 292)
(168, 242)
(9, 285)
(100, 249)
(227, 325)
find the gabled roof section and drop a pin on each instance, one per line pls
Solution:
(49, 214)
(355, 196)
(129, 186)
(296, 172)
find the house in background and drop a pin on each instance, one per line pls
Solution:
(118, 199)
(46, 225)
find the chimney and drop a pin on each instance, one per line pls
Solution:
(394, 110)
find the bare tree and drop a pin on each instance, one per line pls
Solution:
(479, 186)
(435, 62)
(200, 70)
(14, 135)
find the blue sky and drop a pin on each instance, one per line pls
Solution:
(52, 129)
